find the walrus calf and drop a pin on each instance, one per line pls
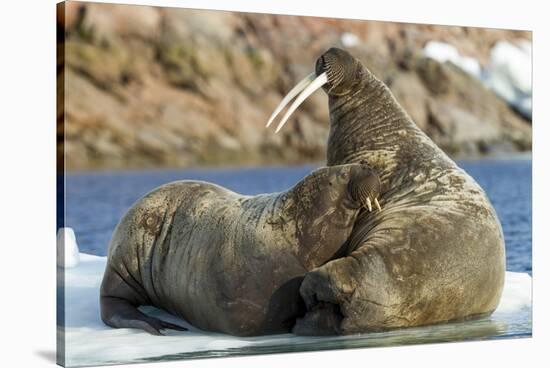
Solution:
(226, 262)
(436, 252)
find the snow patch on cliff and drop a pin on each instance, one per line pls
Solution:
(508, 72)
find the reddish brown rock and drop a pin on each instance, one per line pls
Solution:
(149, 86)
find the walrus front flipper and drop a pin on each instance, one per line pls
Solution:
(119, 302)
(119, 313)
(323, 319)
(323, 315)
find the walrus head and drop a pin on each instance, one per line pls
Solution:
(364, 187)
(366, 121)
(336, 71)
(343, 72)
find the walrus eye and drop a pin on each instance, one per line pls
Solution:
(306, 86)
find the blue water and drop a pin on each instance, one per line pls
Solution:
(96, 201)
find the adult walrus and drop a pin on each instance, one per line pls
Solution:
(436, 252)
(226, 262)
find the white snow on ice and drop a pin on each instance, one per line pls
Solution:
(67, 248)
(508, 73)
(90, 342)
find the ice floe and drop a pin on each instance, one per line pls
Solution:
(516, 293)
(89, 342)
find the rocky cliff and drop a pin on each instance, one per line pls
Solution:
(157, 87)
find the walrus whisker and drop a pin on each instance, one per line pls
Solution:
(290, 95)
(314, 86)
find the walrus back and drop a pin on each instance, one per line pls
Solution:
(139, 246)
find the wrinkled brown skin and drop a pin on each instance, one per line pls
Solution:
(435, 252)
(226, 262)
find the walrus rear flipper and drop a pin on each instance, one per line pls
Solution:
(119, 313)
(119, 302)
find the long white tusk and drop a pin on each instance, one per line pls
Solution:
(290, 95)
(369, 205)
(377, 204)
(314, 86)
